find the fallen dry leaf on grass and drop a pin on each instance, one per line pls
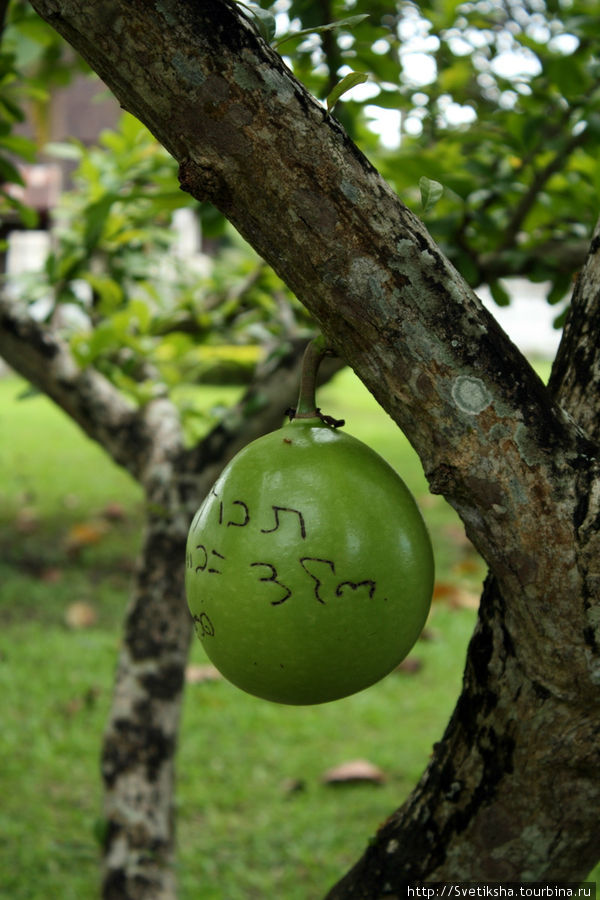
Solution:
(357, 770)
(469, 566)
(81, 615)
(71, 501)
(410, 666)
(51, 575)
(429, 634)
(86, 701)
(199, 674)
(293, 786)
(454, 596)
(84, 534)
(27, 520)
(114, 512)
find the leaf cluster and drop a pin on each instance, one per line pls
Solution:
(497, 118)
(147, 315)
(498, 105)
(508, 124)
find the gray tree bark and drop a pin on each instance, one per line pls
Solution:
(512, 788)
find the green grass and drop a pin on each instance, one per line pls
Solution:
(242, 832)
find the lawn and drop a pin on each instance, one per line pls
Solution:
(255, 817)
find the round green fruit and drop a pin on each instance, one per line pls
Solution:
(309, 569)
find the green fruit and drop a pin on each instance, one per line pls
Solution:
(309, 569)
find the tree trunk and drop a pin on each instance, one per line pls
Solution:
(551, 738)
(138, 758)
(139, 747)
(512, 788)
(140, 741)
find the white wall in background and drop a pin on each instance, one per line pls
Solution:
(528, 320)
(27, 251)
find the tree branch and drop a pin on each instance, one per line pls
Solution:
(284, 172)
(575, 379)
(37, 353)
(567, 256)
(540, 178)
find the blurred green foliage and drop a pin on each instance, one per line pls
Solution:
(497, 103)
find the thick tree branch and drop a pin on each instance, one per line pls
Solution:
(575, 379)
(508, 731)
(284, 172)
(491, 805)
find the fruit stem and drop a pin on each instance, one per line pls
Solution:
(314, 353)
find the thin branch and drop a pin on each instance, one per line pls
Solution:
(261, 409)
(331, 50)
(541, 178)
(139, 438)
(188, 323)
(142, 818)
(495, 196)
(566, 256)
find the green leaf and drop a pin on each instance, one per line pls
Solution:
(8, 172)
(28, 392)
(95, 217)
(499, 293)
(20, 145)
(347, 83)
(29, 216)
(35, 29)
(102, 339)
(562, 284)
(108, 290)
(13, 110)
(69, 150)
(263, 19)
(139, 316)
(65, 267)
(266, 23)
(431, 191)
(349, 22)
(560, 320)
(566, 74)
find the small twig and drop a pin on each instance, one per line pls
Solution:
(540, 179)
(327, 420)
